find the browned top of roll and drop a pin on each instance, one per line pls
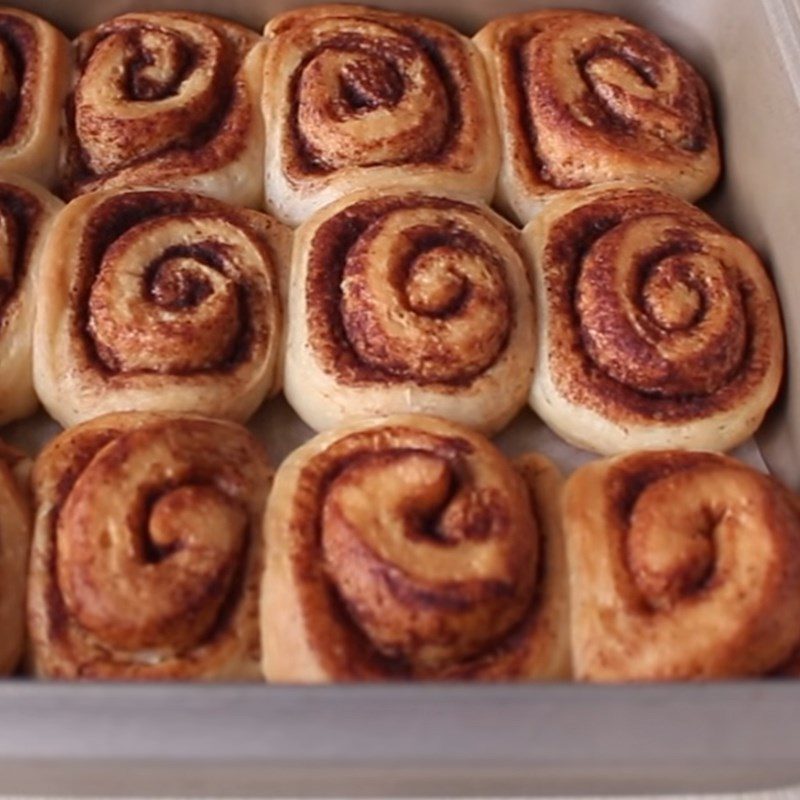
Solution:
(414, 554)
(208, 262)
(146, 552)
(686, 565)
(595, 84)
(373, 87)
(655, 311)
(410, 288)
(152, 84)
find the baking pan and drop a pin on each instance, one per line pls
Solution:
(501, 740)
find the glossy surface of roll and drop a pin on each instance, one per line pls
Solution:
(26, 215)
(147, 550)
(682, 566)
(657, 327)
(357, 98)
(159, 301)
(35, 64)
(15, 537)
(410, 548)
(403, 302)
(586, 98)
(167, 99)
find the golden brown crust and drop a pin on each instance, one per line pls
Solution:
(357, 97)
(583, 98)
(408, 302)
(26, 215)
(34, 77)
(147, 554)
(166, 99)
(407, 548)
(657, 327)
(155, 300)
(15, 535)
(682, 566)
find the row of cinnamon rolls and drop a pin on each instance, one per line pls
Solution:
(336, 98)
(626, 317)
(405, 547)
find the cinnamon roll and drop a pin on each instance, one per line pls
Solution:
(360, 98)
(170, 100)
(682, 566)
(657, 327)
(35, 64)
(410, 548)
(584, 98)
(26, 215)
(403, 302)
(147, 550)
(159, 301)
(15, 533)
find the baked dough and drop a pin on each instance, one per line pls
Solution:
(411, 548)
(26, 216)
(584, 98)
(167, 99)
(154, 300)
(657, 327)
(147, 550)
(682, 566)
(35, 65)
(360, 98)
(402, 302)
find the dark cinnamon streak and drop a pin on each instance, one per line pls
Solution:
(516, 640)
(625, 484)
(323, 604)
(21, 43)
(533, 107)
(328, 254)
(198, 145)
(23, 214)
(305, 162)
(179, 292)
(139, 86)
(517, 78)
(59, 618)
(138, 517)
(578, 376)
(114, 218)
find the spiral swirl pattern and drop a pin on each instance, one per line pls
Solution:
(366, 97)
(684, 565)
(167, 99)
(34, 72)
(408, 301)
(155, 577)
(659, 326)
(404, 548)
(160, 301)
(586, 98)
